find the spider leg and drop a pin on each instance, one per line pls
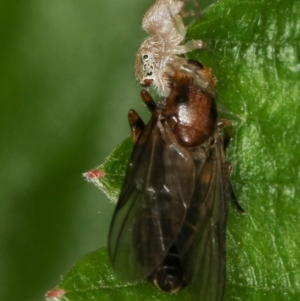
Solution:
(194, 44)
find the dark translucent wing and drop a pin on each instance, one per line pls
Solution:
(158, 188)
(202, 240)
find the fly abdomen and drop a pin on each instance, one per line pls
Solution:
(169, 275)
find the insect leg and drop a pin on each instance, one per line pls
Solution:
(136, 124)
(227, 125)
(232, 195)
(148, 100)
(234, 199)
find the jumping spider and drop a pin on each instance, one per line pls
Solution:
(161, 54)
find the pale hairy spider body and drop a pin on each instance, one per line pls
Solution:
(159, 55)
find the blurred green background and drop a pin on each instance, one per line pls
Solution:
(67, 83)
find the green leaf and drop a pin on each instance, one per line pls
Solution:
(109, 176)
(253, 49)
(92, 278)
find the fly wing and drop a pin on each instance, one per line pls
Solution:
(202, 239)
(158, 188)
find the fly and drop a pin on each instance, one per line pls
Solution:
(171, 228)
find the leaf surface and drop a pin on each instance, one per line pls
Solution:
(253, 49)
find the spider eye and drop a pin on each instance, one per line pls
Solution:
(149, 73)
(145, 57)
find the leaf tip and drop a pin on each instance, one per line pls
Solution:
(94, 176)
(55, 295)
